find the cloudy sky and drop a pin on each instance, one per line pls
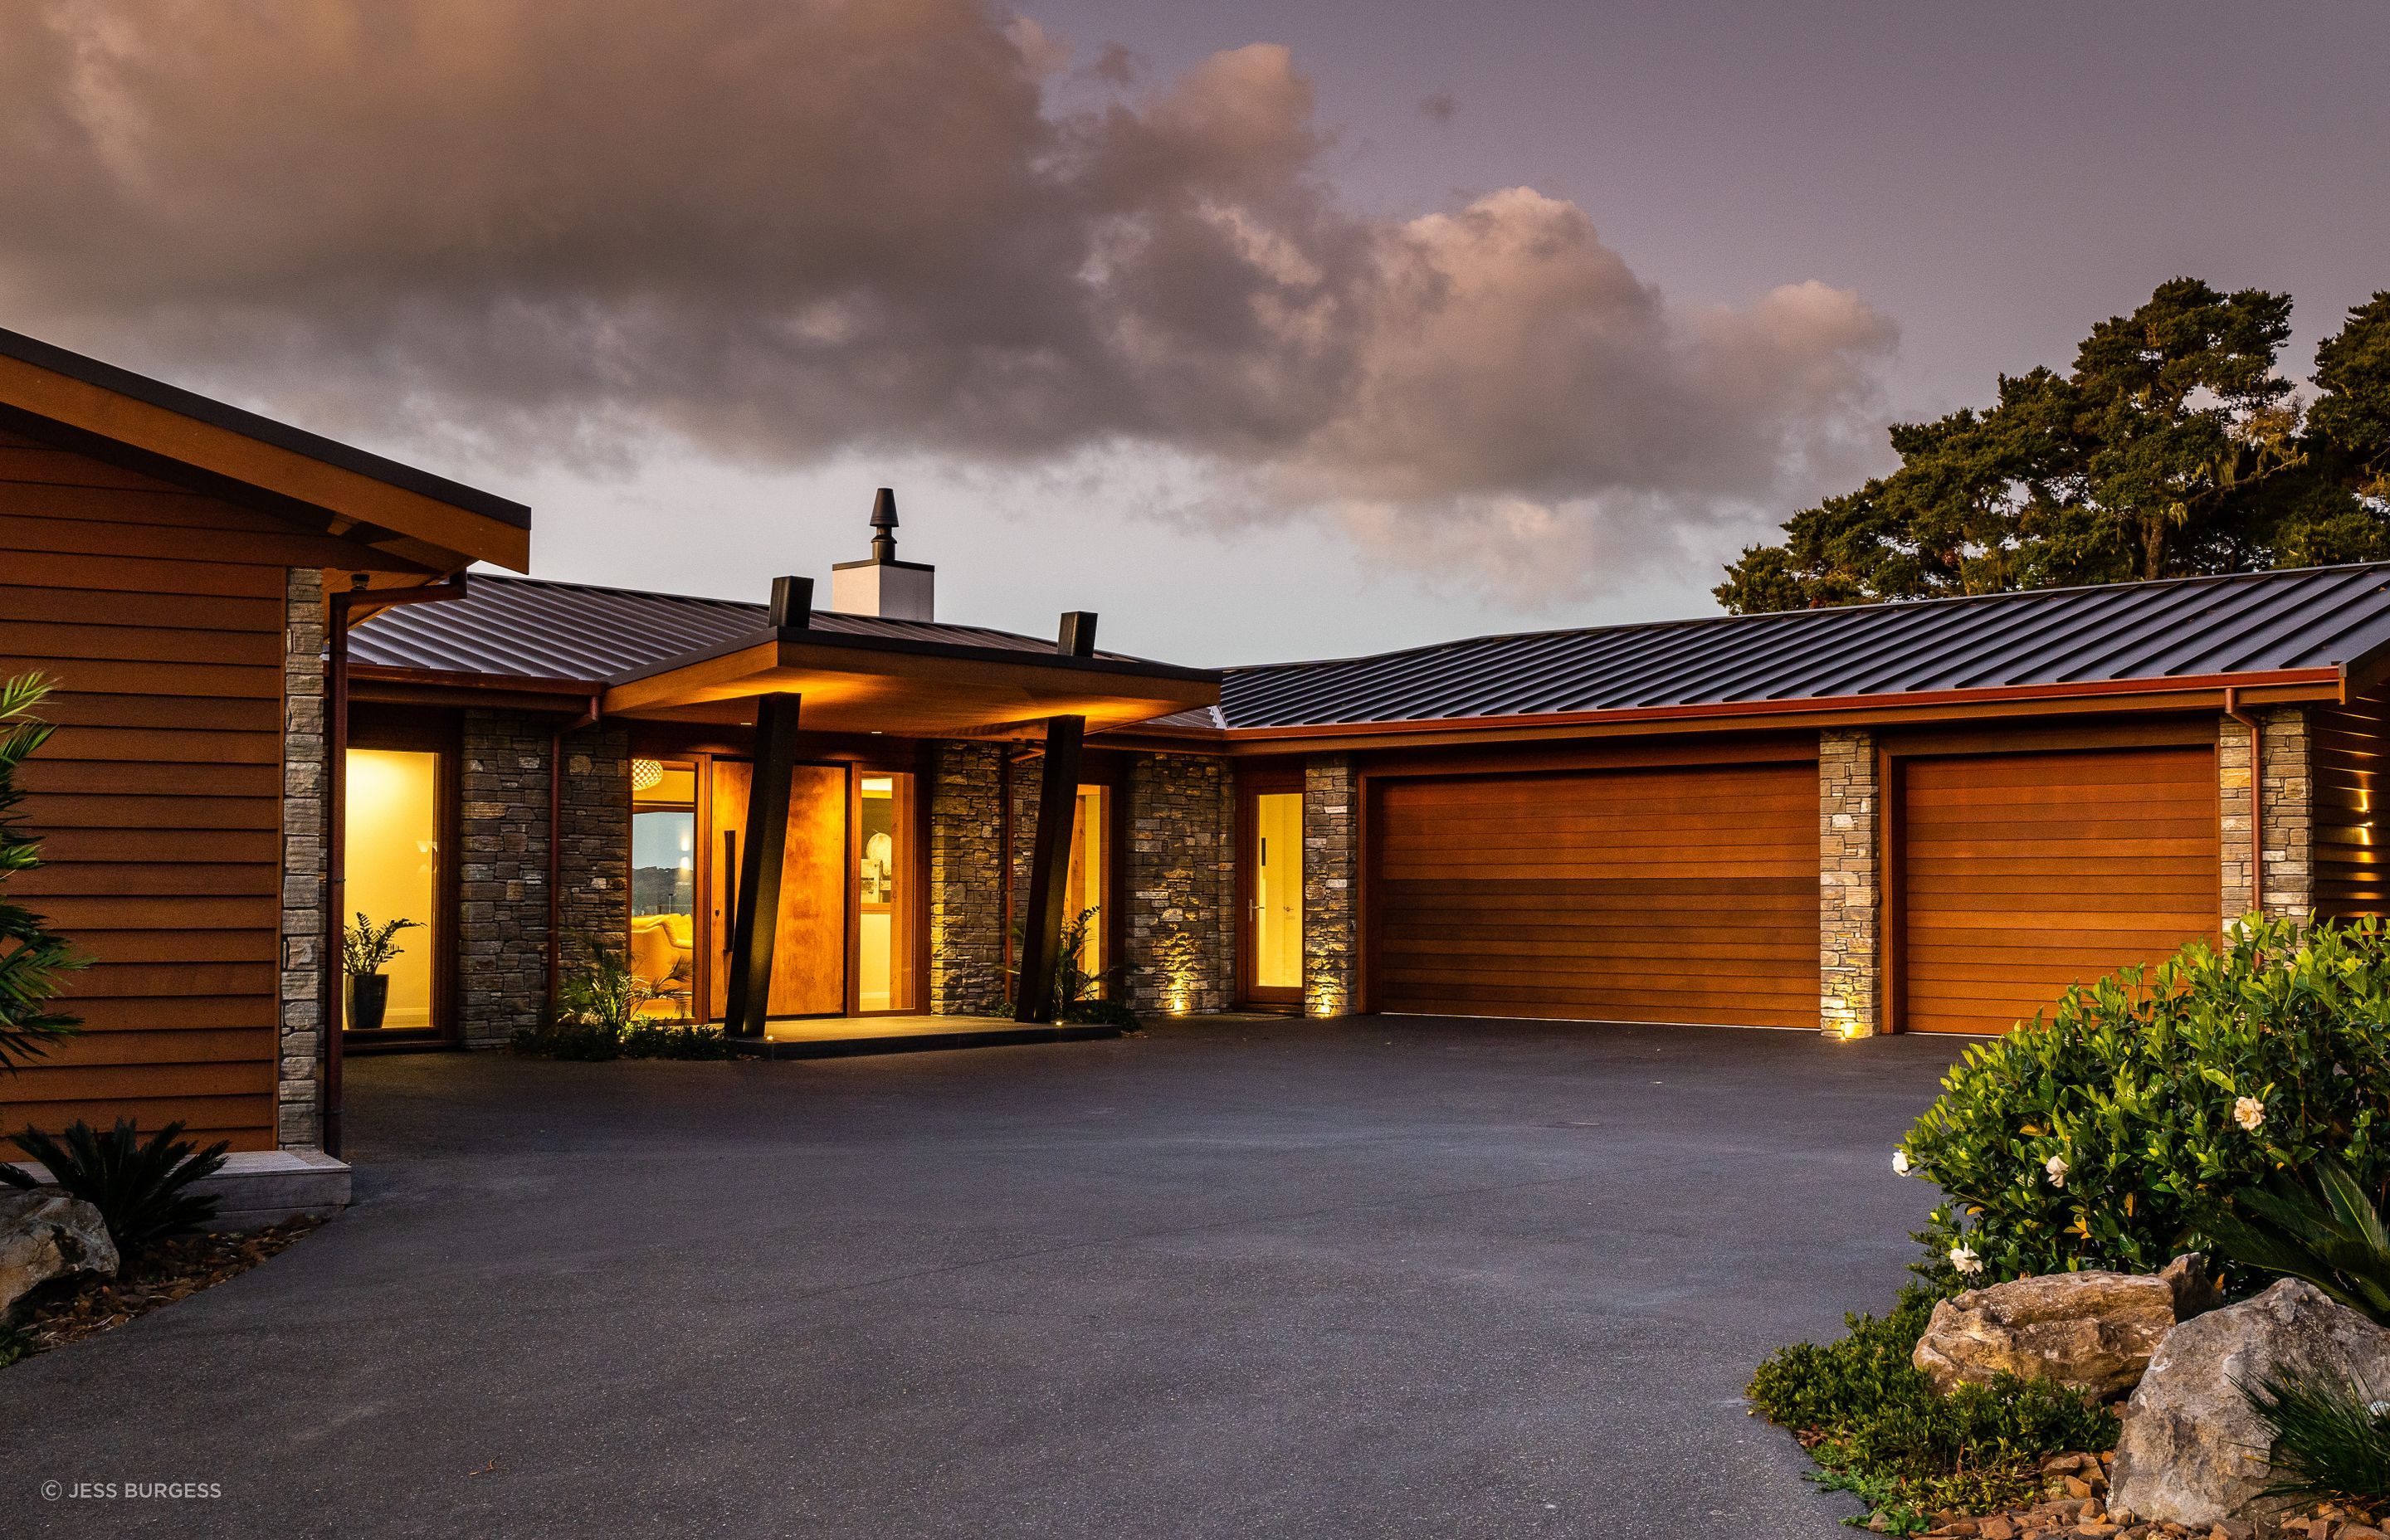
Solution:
(1267, 330)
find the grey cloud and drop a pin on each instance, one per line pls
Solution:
(781, 231)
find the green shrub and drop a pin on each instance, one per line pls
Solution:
(139, 1186)
(2332, 1236)
(569, 1037)
(651, 1037)
(32, 955)
(2157, 1097)
(1877, 1427)
(2329, 1440)
(14, 1344)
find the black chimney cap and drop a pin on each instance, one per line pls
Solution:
(883, 510)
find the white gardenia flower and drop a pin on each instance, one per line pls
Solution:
(2056, 1167)
(2250, 1113)
(1900, 1161)
(1965, 1259)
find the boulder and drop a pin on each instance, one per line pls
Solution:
(2192, 1452)
(2195, 1290)
(44, 1235)
(2090, 1331)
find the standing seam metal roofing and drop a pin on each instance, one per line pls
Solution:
(2255, 623)
(531, 628)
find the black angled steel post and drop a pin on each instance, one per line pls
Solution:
(756, 928)
(1058, 794)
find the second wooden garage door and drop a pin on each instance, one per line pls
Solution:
(1678, 894)
(2022, 873)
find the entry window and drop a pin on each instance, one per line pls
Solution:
(1083, 887)
(1278, 890)
(663, 885)
(884, 900)
(392, 824)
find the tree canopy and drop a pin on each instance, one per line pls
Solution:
(2172, 448)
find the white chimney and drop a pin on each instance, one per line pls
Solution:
(884, 585)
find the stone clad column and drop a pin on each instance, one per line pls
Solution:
(305, 756)
(1331, 921)
(966, 880)
(1850, 885)
(1182, 885)
(2286, 793)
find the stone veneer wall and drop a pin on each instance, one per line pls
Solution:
(502, 875)
(2287, 795)
(1850, 885)
(306, 756)
(596, 870)
(1331, 859)
(501, 943)
(1182, 885)
(966, 880)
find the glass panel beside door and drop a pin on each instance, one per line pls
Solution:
(390, 826)
(885, 904)
(663, 886)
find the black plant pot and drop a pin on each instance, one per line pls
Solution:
(368, 1000)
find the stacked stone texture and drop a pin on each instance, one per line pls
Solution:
(502, 874)
(1850, 884)
(966, 880)
(1330, 892)
(306, 756)
(1182, 885)
(595, 837)
(2287, 799)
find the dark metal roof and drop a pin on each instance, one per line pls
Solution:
(2247, 623)
(529, 628)
(281, 435)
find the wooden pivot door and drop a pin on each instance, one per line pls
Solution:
(2021, 874)
(809, 957)
(1676, 894)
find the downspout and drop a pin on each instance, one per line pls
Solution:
(336, 834)
(2257, 797)
(588, 718)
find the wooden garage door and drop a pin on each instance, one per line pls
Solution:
(2024, 873)
(1676, 894)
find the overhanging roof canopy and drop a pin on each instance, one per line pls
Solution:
(918, 688)
(426, 522)
(673, 657)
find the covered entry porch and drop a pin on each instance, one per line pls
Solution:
(781, 838)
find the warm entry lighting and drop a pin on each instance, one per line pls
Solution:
(645, 774)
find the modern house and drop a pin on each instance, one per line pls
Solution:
(817, 825)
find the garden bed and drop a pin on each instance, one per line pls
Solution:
(163, 1272)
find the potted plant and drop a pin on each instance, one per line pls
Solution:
(366, 950)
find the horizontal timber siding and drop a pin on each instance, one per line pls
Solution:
(1683, 894)
(2022, 873)
(158, 798)
(2351, 751)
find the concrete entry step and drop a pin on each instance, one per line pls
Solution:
(264, 1187)
(845, 1037)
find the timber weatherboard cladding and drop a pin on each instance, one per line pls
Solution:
(2351, 770)
(158, 613)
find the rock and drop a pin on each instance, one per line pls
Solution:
(2195, 1290)
(2091, 1332)
(2192, 1451)
(44, 1235)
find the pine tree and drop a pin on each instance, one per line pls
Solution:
(32, 957)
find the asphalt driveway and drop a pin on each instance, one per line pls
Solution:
(1264, 1278)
